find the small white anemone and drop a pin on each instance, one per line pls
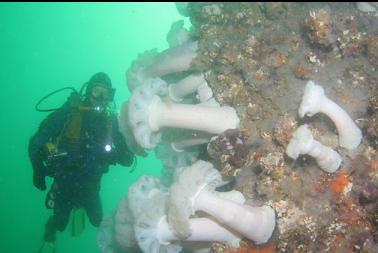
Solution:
(124, 231)
(153, 64)
(303, 143)
(179, 152)
(147, 201)
(139, 111)
(178, 34)
(194, 191)
(147, 198)
(127, 131)
(315, 101)
(148, 114)
(188, 85)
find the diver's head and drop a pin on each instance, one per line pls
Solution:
(99, 89)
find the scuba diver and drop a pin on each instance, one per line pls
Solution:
(75, 145)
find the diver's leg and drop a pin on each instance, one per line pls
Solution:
(50, 230)
(62, 212)
(93, 207)
(59, 220)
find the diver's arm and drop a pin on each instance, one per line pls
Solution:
(122, 153)
(49, 128)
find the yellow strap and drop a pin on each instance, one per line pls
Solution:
(73, 127)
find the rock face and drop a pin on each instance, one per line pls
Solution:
(257, 58)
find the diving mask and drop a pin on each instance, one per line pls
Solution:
(102, 93)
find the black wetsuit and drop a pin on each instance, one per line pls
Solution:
(77, 174)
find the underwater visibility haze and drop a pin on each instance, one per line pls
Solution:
(263, 115)
(47, 46)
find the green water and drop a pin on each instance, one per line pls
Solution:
(46, 46)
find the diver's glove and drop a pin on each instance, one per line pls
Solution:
(38, 174)
(39, 180)
(115, 156)
(125, 158)
(111, 157)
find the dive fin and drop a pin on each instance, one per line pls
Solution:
(78, 221)
(47, 247)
